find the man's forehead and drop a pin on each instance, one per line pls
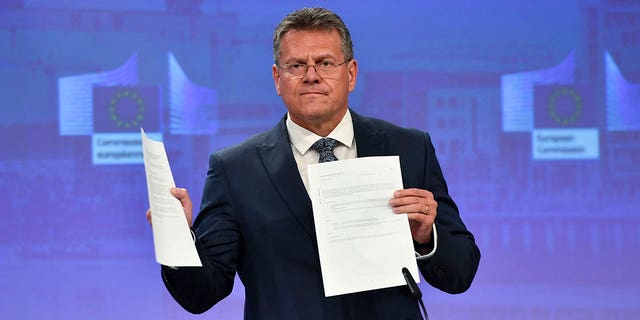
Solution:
(322, 43)
(296, 37)
(310, 31)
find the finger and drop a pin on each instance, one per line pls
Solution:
(181, 194)
(403, 201)
(418, 208)
(411, 196)
(433, 208)
(404, 208)
(415, 205)
(413, 192)
(148, 215)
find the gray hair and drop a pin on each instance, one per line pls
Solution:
(313, 19)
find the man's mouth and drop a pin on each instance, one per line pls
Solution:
(312, 92)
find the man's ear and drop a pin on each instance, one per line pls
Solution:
(276, 77)
(353, 74)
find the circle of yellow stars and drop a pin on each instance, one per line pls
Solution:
(113, 112)
(553, 112)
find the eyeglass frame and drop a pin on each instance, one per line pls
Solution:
(286, 67)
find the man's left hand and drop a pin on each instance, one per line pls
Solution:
(420, 207)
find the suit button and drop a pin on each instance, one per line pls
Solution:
(437, 271)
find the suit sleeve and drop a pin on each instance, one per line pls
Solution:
(455, 261)
(197, 289)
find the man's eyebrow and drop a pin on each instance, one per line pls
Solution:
(295, 60)
(304, 61)
(324, 57)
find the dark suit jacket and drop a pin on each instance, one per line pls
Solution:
(256, 218)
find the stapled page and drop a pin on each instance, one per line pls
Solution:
(362, 244)
(172, 239)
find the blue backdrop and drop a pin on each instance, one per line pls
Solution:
(533, 106)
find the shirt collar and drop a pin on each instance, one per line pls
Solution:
(302, 139)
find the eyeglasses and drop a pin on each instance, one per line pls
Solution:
(323, 69)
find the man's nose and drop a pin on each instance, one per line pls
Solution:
(311, 74)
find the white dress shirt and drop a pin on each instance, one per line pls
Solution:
(302, 139)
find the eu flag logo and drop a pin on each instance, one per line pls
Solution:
(564, 106)
(126, 109)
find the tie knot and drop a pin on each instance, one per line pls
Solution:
(325, 147)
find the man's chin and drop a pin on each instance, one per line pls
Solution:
(313, 113)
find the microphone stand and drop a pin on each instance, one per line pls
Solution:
(415, 291)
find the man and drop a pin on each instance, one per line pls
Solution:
(256, 216)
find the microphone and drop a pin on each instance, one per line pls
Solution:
(415, 291)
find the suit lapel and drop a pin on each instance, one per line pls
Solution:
(278, 161)
(370, 140)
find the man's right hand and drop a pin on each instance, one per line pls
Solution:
(183, 196)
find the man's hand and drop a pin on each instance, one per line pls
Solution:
(182, 195)
(421, 208)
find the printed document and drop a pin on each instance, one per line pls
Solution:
(172, 239)
(363, 245)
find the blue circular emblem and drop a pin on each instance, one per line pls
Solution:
(126, 118)
(571, 110)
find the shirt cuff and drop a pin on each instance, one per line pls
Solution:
(423, 257)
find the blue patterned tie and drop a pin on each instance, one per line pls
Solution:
(324, 147)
